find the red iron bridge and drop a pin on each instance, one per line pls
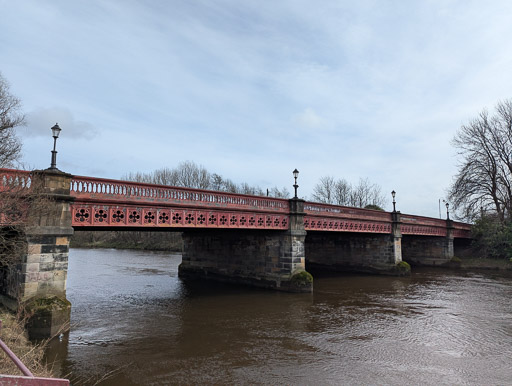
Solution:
(240, 238)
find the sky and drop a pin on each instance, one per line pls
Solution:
(253, 89)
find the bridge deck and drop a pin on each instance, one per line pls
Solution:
(100, 203)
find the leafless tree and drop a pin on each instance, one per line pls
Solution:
(10, 118)
(324, 190)
(340, 192)
(190, 175)
(484, 179)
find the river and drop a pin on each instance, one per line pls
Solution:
(134, 319)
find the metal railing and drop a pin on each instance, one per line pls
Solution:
(28, 379)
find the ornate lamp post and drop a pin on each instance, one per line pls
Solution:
(55, 133)
(447, 211)
(295, 186)
(394, 202)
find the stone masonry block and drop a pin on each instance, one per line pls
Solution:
(62, 241)
(30, 289)
(33, 249)
(30, 267)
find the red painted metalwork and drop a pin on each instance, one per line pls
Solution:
(28, 379)
(323, 217)
(106, 203)
(10, 178)
(103, 202)
(109, 215)
(425, 226)
(88, 189)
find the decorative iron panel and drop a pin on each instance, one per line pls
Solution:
(314, 223)
(107, 215)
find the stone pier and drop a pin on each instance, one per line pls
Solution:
(264, 258)
(38, 282)
(429, 250)
(356, 252)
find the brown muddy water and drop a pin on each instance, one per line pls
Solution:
(134, 319)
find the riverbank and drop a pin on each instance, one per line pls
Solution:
(146, 241)
(485, 263)
(14, 335)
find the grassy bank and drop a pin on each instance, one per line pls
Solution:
(14, 335)
(486, 263)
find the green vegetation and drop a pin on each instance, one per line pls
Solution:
(42, 306)
(301, 279)
(374, 207)
(485, 263)
(403, 268)
(492, 237)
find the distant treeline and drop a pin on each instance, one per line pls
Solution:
(154, 241)
(190, 175)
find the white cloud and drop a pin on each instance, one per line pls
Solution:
(40, 121)
(309, 119)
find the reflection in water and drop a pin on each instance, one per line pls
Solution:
(132, 315)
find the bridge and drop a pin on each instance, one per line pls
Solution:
(255, 240)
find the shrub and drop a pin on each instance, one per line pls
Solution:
(492, 237)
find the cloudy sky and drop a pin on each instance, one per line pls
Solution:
(253, 89)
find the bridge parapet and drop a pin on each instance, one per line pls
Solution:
(104, 190)
(324, 217)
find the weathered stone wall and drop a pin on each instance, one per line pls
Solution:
(352, 251)
(38, 280)
(262, 258)
(427, 250)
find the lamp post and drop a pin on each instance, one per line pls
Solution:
(295, 186)
(393, 193)
(447, 211)
(55, 133)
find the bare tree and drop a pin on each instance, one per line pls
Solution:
(324, 190)
(340, 192)
(483, 182)
(365, 193)
(10, 118)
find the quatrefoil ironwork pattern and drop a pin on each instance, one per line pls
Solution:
(163, 218)
(82, 215)
(176, 218)
(212, 219)
(118, 216)
(149, 217)
(201, 219)
(100, 216)
(233, 220)
(189, 218)
(134, 216)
